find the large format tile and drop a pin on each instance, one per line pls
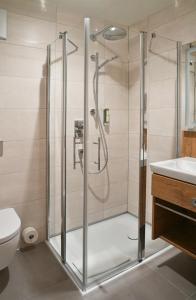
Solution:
(179, 269)
(22, 124)
(31, 272)
(24, 155)
(35, 275)
(26, 187)
(162, 122)
(22, 61)
(22, 93)
(33, 32)
(45, 10)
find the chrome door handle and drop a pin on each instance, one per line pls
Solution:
(98, 163)
(75, 161)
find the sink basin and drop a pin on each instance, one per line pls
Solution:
(180, 168)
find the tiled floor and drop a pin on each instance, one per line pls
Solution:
(35, 275)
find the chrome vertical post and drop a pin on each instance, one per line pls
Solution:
(97, 82)
(178, 99)
(63, 36)
(142, 175)
(85, 204)
(48, 139)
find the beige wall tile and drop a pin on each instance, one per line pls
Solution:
(47, 11)
(21, 61)
(32, 213)
(25, 187)
(133, 200)
(161, 67)
(20, 156)
(162, 122)
(118, 146)
(161, 147)
(181, 29)
(33, 32)
(118, 121)
(22, 93)
(116, 97)
(110, 212)
(22, 124)
(134, 122)
(134, 96)
(162, 94)
(117, 195)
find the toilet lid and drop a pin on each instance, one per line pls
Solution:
(9, 224)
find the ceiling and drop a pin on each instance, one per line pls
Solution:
(125, 12)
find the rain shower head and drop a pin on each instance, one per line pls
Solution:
(114, 33)
(111, 33)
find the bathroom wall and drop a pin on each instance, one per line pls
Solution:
(23, 111)
(31, 26)
(176, 23)
(108, 191)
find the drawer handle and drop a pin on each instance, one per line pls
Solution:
(194, 202)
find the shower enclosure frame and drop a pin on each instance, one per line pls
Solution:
(83, 284)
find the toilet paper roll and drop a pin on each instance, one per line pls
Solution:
(30, 235)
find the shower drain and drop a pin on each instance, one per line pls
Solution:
(132, 238)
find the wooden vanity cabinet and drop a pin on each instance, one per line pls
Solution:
(174, 212)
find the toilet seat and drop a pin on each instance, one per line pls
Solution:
(9, 224)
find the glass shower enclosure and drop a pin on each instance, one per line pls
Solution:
(94, 228)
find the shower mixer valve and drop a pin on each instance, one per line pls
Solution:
(78, 129)
(78, 141)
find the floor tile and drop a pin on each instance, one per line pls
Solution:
(31, 272)
(178, 268)
(36, 275)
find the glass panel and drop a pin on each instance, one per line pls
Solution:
(55, 114)
(74, 152)
(73, 114)
(189, 75)
(112, 230)
(161, 118)
(134, 134)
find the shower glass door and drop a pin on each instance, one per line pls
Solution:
(112, 231)
(101, 138)
(55, 87)
(65, 145)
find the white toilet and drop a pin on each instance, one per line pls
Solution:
(9, 235)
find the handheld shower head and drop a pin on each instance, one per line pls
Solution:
(107, 61)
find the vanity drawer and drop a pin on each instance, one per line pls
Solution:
(174, 191)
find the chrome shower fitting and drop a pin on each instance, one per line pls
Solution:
(93, 58)
(78, 140)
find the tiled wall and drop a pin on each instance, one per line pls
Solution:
(31, 26)
(23, 112)
(176, 23)
(107, 191)
(23, 109)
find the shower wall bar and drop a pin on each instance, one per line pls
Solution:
(48, 140)
(142, 177)
(178, 100)
(85, 183)
(63, 147)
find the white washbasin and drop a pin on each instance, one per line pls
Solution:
(180, 168)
